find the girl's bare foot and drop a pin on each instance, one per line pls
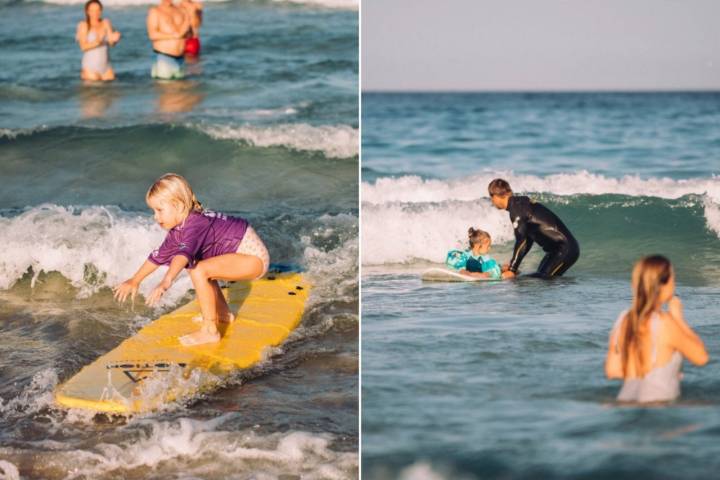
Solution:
(201, 337)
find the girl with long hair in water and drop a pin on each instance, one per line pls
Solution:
(647, 343)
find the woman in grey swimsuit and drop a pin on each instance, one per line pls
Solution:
(94, 35)
(647, 343)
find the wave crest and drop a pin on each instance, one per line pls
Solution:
(416, 189)
(407, 219)
(339, 141)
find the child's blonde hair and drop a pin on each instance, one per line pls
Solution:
(475, 235)
(649, 275)
(173, 187)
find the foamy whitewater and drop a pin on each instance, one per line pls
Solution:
(264, 127)
(399, 210)
(60, 281)
(505, 380)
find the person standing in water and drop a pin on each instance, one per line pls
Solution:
(167, 27)
(194, 10)
(94, 35)
(532, 223)
(647, 344)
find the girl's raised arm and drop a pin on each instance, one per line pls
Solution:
(683, 338)
(113, 36)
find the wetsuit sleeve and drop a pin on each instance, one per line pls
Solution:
(523, 243)
(520, 214)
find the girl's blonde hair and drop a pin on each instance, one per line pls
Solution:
(648, 277)
(475, 235)
(172, 187)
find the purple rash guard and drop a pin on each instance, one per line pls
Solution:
(200, 236)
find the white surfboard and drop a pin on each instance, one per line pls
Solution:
(446, 275)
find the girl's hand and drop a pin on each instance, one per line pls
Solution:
(675, 308)
(128, 287)
(114, 38)
(155, 295)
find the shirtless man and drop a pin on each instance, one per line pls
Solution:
(194, 10)
(167, 27)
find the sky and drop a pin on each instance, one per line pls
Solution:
(540, 45)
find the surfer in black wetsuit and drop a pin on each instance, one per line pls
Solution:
(533, 222)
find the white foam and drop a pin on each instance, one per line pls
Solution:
(265, 113)
(330, 257)
(8, 471)
(338, 141)
(404, 232)
(92, 247)
(95, 247)
(333, 271)
(193, 447)
(415, 189)
(13, 133)
(408, 218)
(204, 449)
(712, 216)
(35, 397)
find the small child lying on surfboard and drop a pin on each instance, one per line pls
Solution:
(475, 262)
(212, 246)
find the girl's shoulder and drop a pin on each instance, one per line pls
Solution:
(666, 321)
(207, 217)
(196, 217)
(620, 319)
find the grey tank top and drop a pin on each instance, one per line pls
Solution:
(660, 384)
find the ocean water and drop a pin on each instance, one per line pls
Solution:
(506, 380)
(266, 127)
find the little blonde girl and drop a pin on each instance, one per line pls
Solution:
(475, 261)
(647, 344)
(211, 245)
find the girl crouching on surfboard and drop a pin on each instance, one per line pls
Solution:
(475, 261)
(211, 245)
(647, 343)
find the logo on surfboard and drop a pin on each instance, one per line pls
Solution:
(134, 370)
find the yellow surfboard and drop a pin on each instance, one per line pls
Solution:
(152, 368)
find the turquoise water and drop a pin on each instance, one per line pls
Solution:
(506, 380)
(266, 127)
